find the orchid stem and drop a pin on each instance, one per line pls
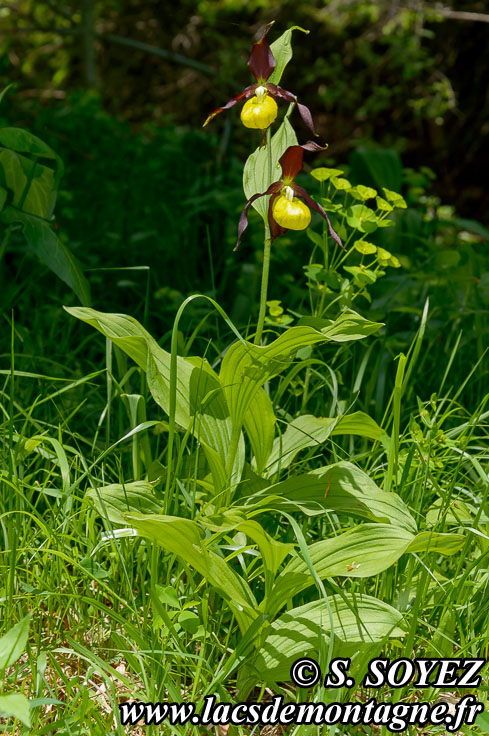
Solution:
(266, 254)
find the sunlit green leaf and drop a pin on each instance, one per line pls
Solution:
(184, 538)
(348, 326)
(354, 619)
(15, 705)
(309, 431)
(282, 53)
(342, 488)
(272, 551)
(259, 424)
(246, 367)
(360, 552)
(383, 205)
(189, 621)
(341, 183)
(13, 643)
(362, 276)
(363, 193)
(114, 500)
(323, 173)
(361, 218)
(394, 198)
(200, 402)
(445, 544)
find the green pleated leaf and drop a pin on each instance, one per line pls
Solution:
(114, 500)
(360, 552)
(272, 551)
(361, 425)
(246, 367)
(445, 544)
(184, 538)
(342, 488)
(308, 431)
(259, 424)
(200, 402)
(358, 619)
(282, 53)
(348, 326)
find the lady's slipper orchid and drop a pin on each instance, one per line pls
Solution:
(286, 211)
(260, 109)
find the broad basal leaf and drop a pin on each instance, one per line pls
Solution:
(356, 619)
(272, 551)
(345, 489)
(259, 424)
(200, 402)
(309, 431)
(184, 538)
(360, 552)
(444, 544)
(114, 500)
(457, 513)
(246, 367)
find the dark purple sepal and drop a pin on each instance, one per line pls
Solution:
(292, 160)
(244, 95)
(284, 94)
(243, 220)
(276, 230)
(261, 62)
(300, 192)
(306, 116)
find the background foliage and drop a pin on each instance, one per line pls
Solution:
(400, 74)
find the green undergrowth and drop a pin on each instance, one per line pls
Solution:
(116, 618)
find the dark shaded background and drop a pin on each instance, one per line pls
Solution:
(408, 75)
